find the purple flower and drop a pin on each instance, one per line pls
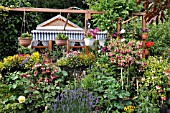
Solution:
(97, 29)
(57, 99)
(63, 107)
(97, 99)
(54, 106)
(91, 104)
(114, 35)
(103, 49)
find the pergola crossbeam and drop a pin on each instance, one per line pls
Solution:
(27, 9)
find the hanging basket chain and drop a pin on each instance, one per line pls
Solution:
(23, 23)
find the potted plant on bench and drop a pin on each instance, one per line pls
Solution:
(61, 39)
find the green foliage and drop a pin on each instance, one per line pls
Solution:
(11, 24)
(143, 101)
(113, 9)
(103, 80)
(40, 85)
(153, 85)
(26, 36)
(160, 36)
(13, 86)
(61, 4)
(24, 50)
(61, 37)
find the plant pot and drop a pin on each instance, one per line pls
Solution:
(144, 36)
(61, 42)
(146, 52)
(101, 42)
(88, 41)
(25, 42)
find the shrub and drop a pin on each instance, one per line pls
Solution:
(160, 36)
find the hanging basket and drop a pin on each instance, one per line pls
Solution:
(101, 42)
(25, 42)
(61, 42)
(88, 41)
(144, 36)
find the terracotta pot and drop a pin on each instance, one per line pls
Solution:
(61, 42)
(25, 42)
(144, 36)
(146, 52)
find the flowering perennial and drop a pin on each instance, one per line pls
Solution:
(91, 33)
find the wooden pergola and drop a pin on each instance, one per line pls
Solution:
(87, 13)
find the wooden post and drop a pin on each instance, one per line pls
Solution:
(86, 49)
(87, 17)
(50, 45)
(143, 40)
(68, 46)
(118, 26)
(143, 28)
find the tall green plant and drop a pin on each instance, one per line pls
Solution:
(113, 9)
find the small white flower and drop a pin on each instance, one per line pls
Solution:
(143, 79)
(123, 39)
(122, 31)
(46, 107)
(21, 99)
(158, 87)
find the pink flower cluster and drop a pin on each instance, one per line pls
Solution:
(91, 33)
(42, 72)
(124, 54)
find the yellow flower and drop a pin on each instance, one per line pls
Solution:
(1, 66)
(32, 59)
(21, 99)
(36, 55)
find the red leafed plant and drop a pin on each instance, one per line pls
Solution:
(149, 44)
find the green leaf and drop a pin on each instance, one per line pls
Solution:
(36, 92)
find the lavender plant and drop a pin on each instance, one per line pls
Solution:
(74, 101)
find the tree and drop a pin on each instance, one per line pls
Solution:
(155, 9)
